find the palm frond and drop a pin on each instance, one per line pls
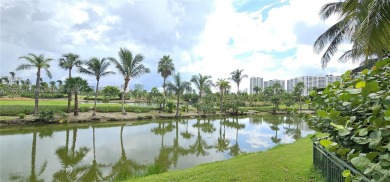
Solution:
(24, 67)
(330, 9)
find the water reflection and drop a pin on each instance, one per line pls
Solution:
(90, 153)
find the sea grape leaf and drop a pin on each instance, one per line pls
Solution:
(372, 155)
(370, 87)
(321, 113)
(360, 162)
(346, 173)
(360, 140)
(354, 91)
(338, 127)
(363, 132)
(344, 132)
(375, 138)
(334, 114)
(376, 109)
(387, 115)
(360, 84)
(325, 142)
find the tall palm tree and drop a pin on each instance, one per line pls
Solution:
(223, 85)
(257, 89)
(237, 77)
(67, 62)
(202, 83)
(129, 67)
(165, 68)
(98, 68)
(39, 62)
(178, 87)
(363, 23)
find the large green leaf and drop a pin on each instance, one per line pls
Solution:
(376, 109)
(346, 173)
(370, 87)
(360, 162)
(321, 113)
(360, 84)
(325, 142)
(387, 115)
(354, 91)
(334, 114)
(363, 132)
(344, 132)
(361, 140)
(375, 138)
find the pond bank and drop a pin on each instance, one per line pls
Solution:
(113, 116)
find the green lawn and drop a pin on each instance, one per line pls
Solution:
(292, 162)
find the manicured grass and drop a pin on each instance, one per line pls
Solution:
(291, 162)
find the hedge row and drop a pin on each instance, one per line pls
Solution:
(15, 110)
(42, 95)
(118, 108)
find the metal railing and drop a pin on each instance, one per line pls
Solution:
(331, 166)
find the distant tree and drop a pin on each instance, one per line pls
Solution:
(257, 90)
(223, 86)
(237, 77)
(110, 92)
(53, 87)
(76, 85)
(298, 93)
(202, 83)
(178, 87)
(98, 68)
(67, 62)
(129, 67)
(38, 62)
(165, 68)
(12, 76)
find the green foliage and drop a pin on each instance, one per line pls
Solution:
(46, 115)
(111, 92)
(118, 108)
(22, 115)
(15, 110)
(356, 114)
(170, 107)
(43, 95)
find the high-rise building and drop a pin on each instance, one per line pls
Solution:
(311, 82)
(255, 81)
(272, 82)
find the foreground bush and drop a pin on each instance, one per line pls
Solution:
(43, 95)
(356, 114)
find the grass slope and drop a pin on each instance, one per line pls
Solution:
(291, 162)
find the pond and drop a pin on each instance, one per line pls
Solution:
(114, 151)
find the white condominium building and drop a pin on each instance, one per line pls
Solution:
(311, 82)
(255, 81)
(272, 82)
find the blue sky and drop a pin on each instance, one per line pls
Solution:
(269, 39)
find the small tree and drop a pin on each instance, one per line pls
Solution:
(178, 87)
(75, 85)
(110, 92)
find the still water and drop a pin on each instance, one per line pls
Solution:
(110, 151)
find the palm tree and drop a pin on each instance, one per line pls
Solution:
(257, 89)
(237, 77)
(76, 85)
(97, 68)
(298, 93)
(129, 67)
(52, 87)
(39, 62)
(202, 83)
(178, 87)
(223, 85)
(12, 76)
(165, 68)
(67, 62)
(364, 23)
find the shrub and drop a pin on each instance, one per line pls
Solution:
(15, 110)
(118, 108)
(43, 95)
(356, 114)
(46, 115)
(170, 106)
(22, 115)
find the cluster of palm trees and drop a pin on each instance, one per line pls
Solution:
(365, 24)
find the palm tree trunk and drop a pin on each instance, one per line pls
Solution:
(96, 93)
(36, 109)
(123, 95)
(220, 106)
(164, 93)
(177, 105)
(69, 93)
(238, 88)
(33, 154)
(76, 104)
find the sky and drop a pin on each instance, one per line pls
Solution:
(266, 38)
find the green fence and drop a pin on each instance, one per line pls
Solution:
(330, 165)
